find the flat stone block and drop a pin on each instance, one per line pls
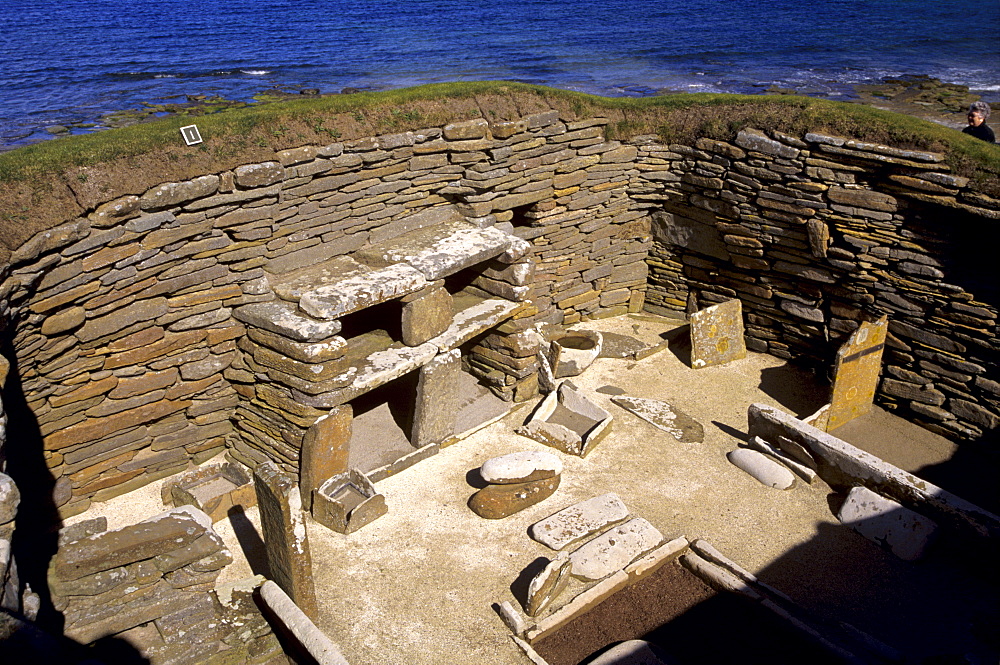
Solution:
(440, 250)
(681, 426)
(281, 318)
(717, 335)
(520, 467)
(576, 522)
(902, 531)
(633, 652)
(361, 288)
(548, 584)
(614, 549)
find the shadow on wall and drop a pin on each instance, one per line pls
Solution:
(35, 541)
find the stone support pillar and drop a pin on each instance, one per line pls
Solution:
(324, 451)
(436, 404)
(285, 538)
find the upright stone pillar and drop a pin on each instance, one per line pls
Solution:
(324, 451)
(285, 539)
(434, 412)
(855, 373)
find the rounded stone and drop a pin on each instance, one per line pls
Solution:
(763, 468)
(10, 497)
(520, 467)
(497, 501)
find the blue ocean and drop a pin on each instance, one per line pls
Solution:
(75, 60)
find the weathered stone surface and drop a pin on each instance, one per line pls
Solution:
(521, 467)
(547, 584)
(176, 193)
(762, 468)
(856, 371)
(259, 175)
(64, 320)
(862, 198)
(111, 549)
(361, 288)
(426, 317)
(717, 335)
(440, 250)
(324, 451)
(681, 426)
(306, 352)
(753, 139)
(842, 465)
(574, 523)
(903, 532)
(280, 318)
(614, 549)
(436, 400)
(10, 498)
(498, 501)
(285, 538)
(575, 351)
(568, 421)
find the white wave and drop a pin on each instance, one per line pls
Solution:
(255, 72)
(165, 76)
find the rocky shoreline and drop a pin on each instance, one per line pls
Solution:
(918, 96)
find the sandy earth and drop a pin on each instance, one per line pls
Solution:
(417, 585)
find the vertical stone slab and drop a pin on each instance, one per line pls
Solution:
(717, 334)
(855, 373)
(426, 314)
(435, 410)
(324, 451)
(285, 539)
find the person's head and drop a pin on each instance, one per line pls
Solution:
(978, 112)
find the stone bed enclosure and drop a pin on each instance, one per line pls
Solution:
(248, 310)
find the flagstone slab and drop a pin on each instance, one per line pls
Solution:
(668, 418)
(574, 523)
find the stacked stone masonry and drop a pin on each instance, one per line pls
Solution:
(814, 235)
(243, 311)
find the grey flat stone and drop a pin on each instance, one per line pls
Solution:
(763, 468)
(281, 318)
(900, 530)
(473, 320)
(576, 522)
(520, 467)
(360, 289)
(621, 346)
(681, 426)
(614, 549)
(440, 250)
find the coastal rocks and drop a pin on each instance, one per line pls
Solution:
(579, 521)
(902, 531)
(517, 481)
(762, 468)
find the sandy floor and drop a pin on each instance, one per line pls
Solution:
(417, 585)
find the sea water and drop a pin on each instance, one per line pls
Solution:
(73, 61)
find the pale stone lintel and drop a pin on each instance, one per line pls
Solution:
(384, 366)
(282, 319)
(471, 321)
(441, 250)
(596, 594)
(362, 290)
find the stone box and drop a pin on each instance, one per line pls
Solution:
(348, 501)
(213, 489)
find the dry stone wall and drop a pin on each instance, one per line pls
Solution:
(816, 234)
(124, 322)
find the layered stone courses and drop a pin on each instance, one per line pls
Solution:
(161, 327)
